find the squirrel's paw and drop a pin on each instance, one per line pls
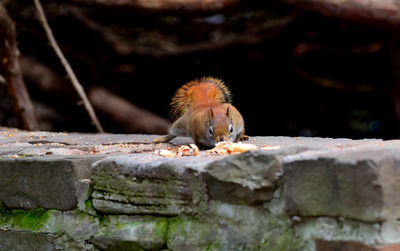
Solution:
(244, 138)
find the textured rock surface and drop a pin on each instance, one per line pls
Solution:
(232, 227)
(131, 233)
(322, 245)
(356, 183)
(248, 178)
(22, 241)
(113, 192)
(42, 182)
(143, 185)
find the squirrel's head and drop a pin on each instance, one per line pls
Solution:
(214, 124)
(219, 126)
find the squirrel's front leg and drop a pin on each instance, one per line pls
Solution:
(241, 137)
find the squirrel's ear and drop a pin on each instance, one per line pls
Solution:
(210, 114)
(228, 112)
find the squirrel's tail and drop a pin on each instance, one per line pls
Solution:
(203, 91)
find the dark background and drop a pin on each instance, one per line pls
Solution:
(312, 76)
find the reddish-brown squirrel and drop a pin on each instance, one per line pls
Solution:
(204, 112)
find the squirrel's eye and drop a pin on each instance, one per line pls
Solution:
(230, 128)
(210, 130)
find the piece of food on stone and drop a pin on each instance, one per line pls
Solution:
(232, 148)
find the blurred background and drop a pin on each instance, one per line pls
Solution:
(295, 68)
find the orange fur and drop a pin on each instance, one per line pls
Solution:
(203, 111)
(206, 91)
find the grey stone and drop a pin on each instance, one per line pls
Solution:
(323, 245)
(42, 182)
(64, 242)
(337, 230)
(231, 227)
(76, 225)
(22, 241)
(122, 232)
(13, 136)
(311, 143)
(360, 183)
(135, 185)
(248, 178)
(59, 232)
(99, 139)
(83, 195)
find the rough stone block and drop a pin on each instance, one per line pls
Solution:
(22, 241)
(63, 230)
(83, 195)
(42, 182)
(322, 245)
(122, 232)
(359, 183)
(231, 227)
(248, 178)
(77, 225)
(136, 185)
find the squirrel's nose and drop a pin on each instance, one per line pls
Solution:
(220, 138)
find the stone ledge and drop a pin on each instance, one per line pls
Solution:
(112, 192)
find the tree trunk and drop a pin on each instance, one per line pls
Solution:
(11, 71)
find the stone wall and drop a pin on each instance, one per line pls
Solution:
(113, 192)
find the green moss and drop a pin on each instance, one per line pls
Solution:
(121, 225)
(161, 228)
(31, 219)
(286, 240)
(4, 216)
(25, 219)
(89, 206)
(213, 246)
(191, 230)
(104, 220)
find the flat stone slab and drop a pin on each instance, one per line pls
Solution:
(16, 142)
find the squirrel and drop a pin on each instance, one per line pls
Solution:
(203, 111)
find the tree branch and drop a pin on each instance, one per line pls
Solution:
(376, 13)
(78, 87)
(163, 5)
(123, 46)
(127, 117)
